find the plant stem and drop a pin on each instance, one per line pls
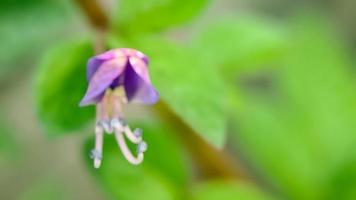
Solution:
(211, 162)
(98, 19)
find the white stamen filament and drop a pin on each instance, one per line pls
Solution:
(122, 127)
(132, 137)
(118, 98)
(113, 101)
(126, 151)
(99, 136)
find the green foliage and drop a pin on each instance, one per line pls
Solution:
(60, 84)
(227, 190)
(22, 35)
(307, 132)
(165, 152)
(342, 184)
(240, 43)
(189, 86)
(301, 136)
(158, 177)
(136, 17)
(236, 45)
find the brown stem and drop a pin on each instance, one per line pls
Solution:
(98, 19)
(95, 13)
(211, 162)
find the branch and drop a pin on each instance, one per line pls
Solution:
(211, 162)
(99, 21)
(95, 13)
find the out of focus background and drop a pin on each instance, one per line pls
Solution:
(257, 101)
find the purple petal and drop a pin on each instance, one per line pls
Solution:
(95, 62)
(102, 79)
(135, 53)
(142, 56)
(140, 67)
(137, 89)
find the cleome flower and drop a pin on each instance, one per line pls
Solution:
(117, 77)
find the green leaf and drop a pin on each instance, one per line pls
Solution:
(322, 86)
(23, 36)
(303, 139)
(190, 87)
(154, 15)
(240, 43)
(158, 177)
(342, 181)
(273, 144)
(227, 190)
(60, 84)
(161, 139)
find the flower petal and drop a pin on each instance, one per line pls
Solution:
(140, 68)
(137, 89)
(133, 52)
(95, 62)
(102, 79)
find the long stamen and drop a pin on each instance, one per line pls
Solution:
(121, 128)
(96, 154)
(126, 151)
(105, 121)
(135, 137)
(118, 98)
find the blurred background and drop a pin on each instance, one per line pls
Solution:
(257, 99)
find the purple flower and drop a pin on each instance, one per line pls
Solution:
(117, 77)
(119, 67)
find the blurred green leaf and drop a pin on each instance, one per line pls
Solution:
(28, 26)
(60, 84)
(274, 144)
(135, 17)
(172, 164)
(227, 190)
(158, 177)
(307, 132)
(342, 181)
(192, 89)
(240, 43)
